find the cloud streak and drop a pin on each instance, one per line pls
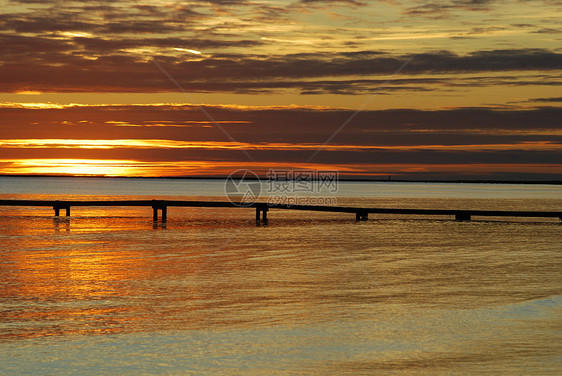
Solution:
(56, 71)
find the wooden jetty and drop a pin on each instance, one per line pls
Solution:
(361, 214)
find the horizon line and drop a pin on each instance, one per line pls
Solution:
(344, 178)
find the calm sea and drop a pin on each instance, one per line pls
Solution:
(105, 292)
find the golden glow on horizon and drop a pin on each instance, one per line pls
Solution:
(28, 92)
(75, 167)
(101, 167)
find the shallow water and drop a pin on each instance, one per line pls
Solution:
(312, 293)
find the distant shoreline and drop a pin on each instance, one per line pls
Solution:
(342, 179)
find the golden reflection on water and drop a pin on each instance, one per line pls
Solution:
(433, 284)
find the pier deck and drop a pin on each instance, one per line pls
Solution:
(361, 214)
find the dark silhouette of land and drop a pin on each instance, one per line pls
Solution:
(341, 178)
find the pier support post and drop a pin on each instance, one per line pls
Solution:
(56, 208)
(462, 216)
(264, 216)
(155, 209)
(361, 216)
(263, 209)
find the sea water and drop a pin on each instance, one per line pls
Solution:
(107, 292)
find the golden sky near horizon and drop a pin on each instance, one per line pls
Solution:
(412, 89)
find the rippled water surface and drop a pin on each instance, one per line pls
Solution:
(105, 292)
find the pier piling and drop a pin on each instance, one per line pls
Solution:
(163, 208)
(361, 216)
(264, 216)
(57, 206)
(263, 209)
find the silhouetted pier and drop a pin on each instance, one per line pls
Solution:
(361, 214)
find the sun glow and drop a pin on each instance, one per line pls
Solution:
(112, 167)
(29, 92)
(76, 167)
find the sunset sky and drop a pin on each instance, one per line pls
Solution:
(412, 89)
